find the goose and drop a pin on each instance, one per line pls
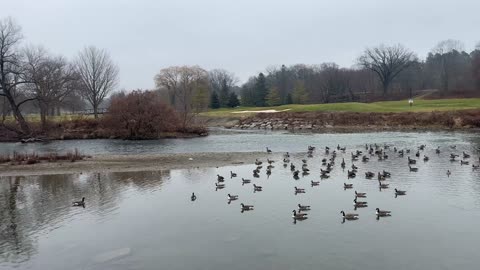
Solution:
(449, 172)
(270, 161)
(343, 163)
(453, 156)
(411, 161)
(305, 169)
(354, 167)
(303, 207)
(425, 158)
(360, 194)
(286, 155)
(380, 177)
(219, 186)
(382, 185)
(255, 174)
(79, 203)
(365, 159)
(258, 163)
(383, 213)
(246, 207)
(292, 167)
(351, 174)
(220, 178)
(257, 188)
(299, 190)
(465, 155)
(232, 197)
(345, 185)
(386, 174)
(232, 174)
(437, 151)
(464, 162)
(304, 161)
(246, 181)
(322, 171)
(193, 197)
(369, 174)
(295, 173)
(269, 172)
(453, 147)
(422, 147)
(349, 216)
(299, 215)
(269, 151)
(474, 167)
(311, 148)
(359, 204)
(413, 169)
(315, 183)
(286, 160)
(400, 192)
(417, 154)
(324, 176)
(269, 167)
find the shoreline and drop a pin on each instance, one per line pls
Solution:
(132, 163)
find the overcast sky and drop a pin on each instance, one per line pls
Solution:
(242, 36)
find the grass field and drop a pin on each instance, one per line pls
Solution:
(420, 105)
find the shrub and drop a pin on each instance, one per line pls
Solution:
(140, 115)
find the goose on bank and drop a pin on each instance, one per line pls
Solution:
(79, 203)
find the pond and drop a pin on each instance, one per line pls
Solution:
(146, 220)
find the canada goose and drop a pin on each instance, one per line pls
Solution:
(324, 176)
(269, 167)
(380, 177)
(303, 207)
(411, 161)
(292, 167)
(449, 173)
(453, 147)
(305, 169)
(351, 174)
(413, 169)
(422, 147)
(365, 159)
(193, 197)
(232, 174)
(345, 185)
(304, 161)
(257, 188)
(425, 158)
(453, 156)
(349, 216)
(255, 174)
(269, 172)
(386, 174)
(286, 155)
(322, 171)
(79, 203)
(417, 154)
(354, 167)
(382, 213)
(474, 167)
(343, 163)
(315, 183)
(311, 148)
(369, 174)
(437, 151)
(360, 194)
(359, 204)
(295, 173)
(465, 155)
(219, 186)
(286, 160)
(220, 178)
(269, 151)
(400, 192)
(381, 185)
(464, 162)
(258, 163)
(299, 215)
(246, 207)
(270, 161)
(232, 197)
(246, 181)
(299, 190)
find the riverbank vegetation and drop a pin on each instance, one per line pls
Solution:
(33, 158)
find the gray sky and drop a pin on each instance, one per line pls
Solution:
(242, 36)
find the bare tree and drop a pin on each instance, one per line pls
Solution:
(187, 88)
(12, 70)
(444, 52)
(98, 75)
(387, 62)
(222, 82)
(52, 77)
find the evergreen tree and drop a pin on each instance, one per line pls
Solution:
(224, 95)
(300, 95)
(273, 97)
(289, 99)
(214, 102)
(233, 100)
(261, 91)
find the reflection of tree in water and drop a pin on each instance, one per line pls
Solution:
(197, 174)
(29, 205)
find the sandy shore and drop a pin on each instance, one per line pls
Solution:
(129, 163)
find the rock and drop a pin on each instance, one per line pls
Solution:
(112, 255)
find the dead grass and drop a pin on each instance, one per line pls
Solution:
(33, 158)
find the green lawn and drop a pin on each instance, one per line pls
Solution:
(420, 105)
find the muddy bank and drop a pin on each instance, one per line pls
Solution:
(128, 163)
(351, 122)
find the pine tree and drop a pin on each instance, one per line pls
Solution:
(289, 99)
(233, 100)
(214, 102)
(273, 97)
(261, 91)
(300, 95)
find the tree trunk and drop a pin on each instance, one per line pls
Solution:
(43, 115)
(25, 129)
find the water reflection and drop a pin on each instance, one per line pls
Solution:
(37, 204)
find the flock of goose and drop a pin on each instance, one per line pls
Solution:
(370, 152)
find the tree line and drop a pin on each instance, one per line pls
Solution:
(32, 79)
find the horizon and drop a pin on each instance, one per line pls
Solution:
(233, 44)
